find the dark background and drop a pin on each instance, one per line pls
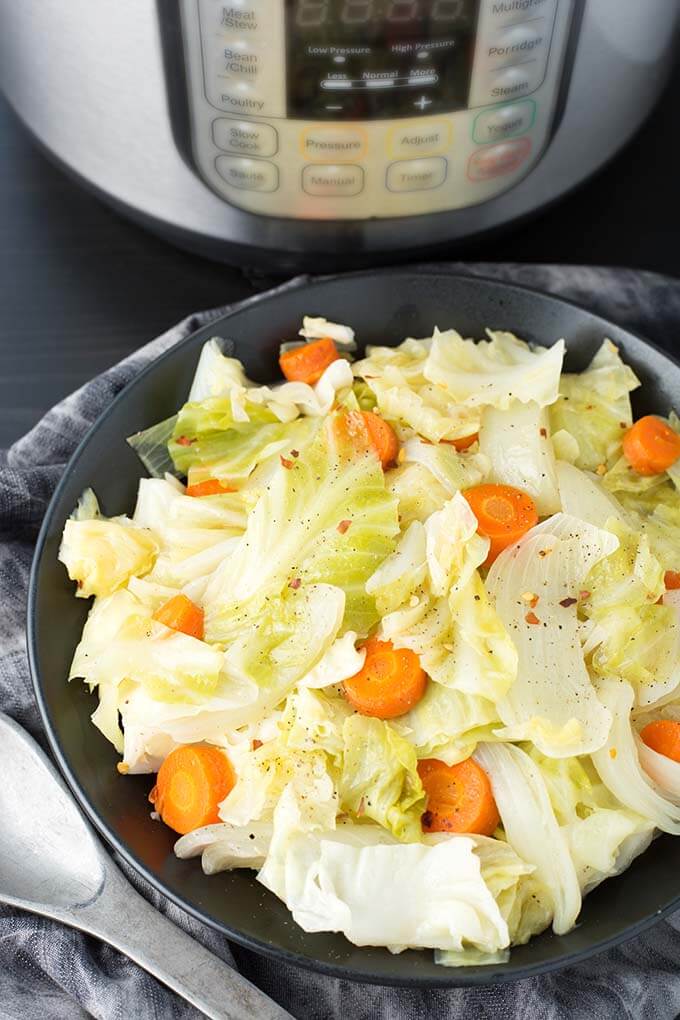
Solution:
(80, 287)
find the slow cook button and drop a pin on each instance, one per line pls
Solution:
(416, 174)
(248, 174)
(498, 160)
(504, 122)
(330, 143)
(420, 140)
(516, 81)
(333, 181)
(245, 137)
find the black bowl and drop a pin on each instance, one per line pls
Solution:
(383, 307)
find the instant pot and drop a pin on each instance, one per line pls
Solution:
(332, 133)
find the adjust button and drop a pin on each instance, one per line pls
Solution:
(416, 174)
(503, 122)
(422, 139)
(248, 174)
(498, 160)
(338, 145)
(245, 137)
(333, 180)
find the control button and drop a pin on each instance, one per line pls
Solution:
(517, 43)
(498, 160)
(525, 9)
(248, 174)
(331, 143)
(237, 16)
(517, 81)
(333, 180)
(422, 139)
(504, 122)
(416, 174)
(245, 137)
(237, 60)
(237, 97)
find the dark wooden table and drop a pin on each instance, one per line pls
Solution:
(80, 287)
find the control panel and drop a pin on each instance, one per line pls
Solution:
(355, 109)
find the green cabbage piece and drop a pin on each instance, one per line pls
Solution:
(325, 517)
(594, 407)
(379, 777)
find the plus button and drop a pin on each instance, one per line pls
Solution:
(423, 102)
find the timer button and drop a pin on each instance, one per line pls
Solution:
(416, 174)
(422, 139)
(339, 145)
(503, 122)
(245, 137)
(248, 174)
(498, 160)
(333, 180)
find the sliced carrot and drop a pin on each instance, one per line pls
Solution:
(650, 446)
(191, 784)
(362, 431)
(383, 438)
(463, 443)
(671, 580)
(210, 487)
(389, 683)
(180, 613)
(503, 515)
(459, 797)
(663, 736)
(308, 362)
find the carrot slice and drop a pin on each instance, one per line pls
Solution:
(663, 736)
(503, 515)
(671, 579)
(210, 487)
(650, 446)
(389, 683)
(459, 797)
(463, 443)
(383, 438)
(191, 784)
(308, 362)
(180, 613)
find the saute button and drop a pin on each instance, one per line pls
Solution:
(331, 143)
(498, 160)
(245, 137)
(248, 174)
(333, 180)
(420, 139)
(416, 174)
(504, 122)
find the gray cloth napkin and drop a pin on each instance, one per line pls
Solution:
(48, 971)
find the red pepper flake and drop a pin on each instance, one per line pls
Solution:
(568, 602)
(601, 469)
(256, 744)
(612, 752)
(544, 552)
(79, 584)
(532, 618)
(589, 407)
(361, 810)
(622, 425)
(295, 583)
(286, 463)
(426, 819)
(295, 453)
(583, 595)
(343, 526)
(544, 433)
(184, 441)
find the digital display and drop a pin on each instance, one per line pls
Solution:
(376, 59)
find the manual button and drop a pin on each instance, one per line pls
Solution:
(333, 180)
(248, 174)
(416, 174)
(245, 137)
(421, 139)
